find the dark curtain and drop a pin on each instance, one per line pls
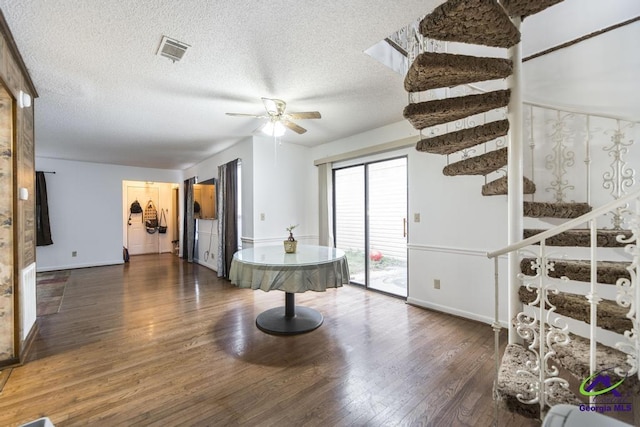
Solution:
(43, 227)
(189, 227)
(227, 216)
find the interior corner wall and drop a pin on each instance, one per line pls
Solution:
(207, 169)
(457, 227)
(277, 181)
(85, 210)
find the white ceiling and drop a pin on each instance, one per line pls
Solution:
(105, 96)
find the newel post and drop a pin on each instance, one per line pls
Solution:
(515, 186)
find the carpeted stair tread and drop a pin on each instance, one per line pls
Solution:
(523, 8)
(463, 139)
(574, 357)
(555, 210)
(432, 70)
(500, 187)
(482, 22)
(608, 271)
(510, 384)
(435, 112)
(582, 238)
(610, 315)
(478, 165)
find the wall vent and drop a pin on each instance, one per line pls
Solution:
(172, 48)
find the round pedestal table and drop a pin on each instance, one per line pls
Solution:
(310, 268)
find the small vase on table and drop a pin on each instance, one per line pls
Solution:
(291, 244)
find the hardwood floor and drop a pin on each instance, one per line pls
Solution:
(162, 342)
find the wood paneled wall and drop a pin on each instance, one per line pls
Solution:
(17, 170)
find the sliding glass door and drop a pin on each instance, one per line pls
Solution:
(370, 219)
(349, 219)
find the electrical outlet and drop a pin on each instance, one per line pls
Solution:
(436, 283)
(416, 217)
(74, 253)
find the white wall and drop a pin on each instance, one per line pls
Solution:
(457, 227)
(283, 181)
(277, 181)
(86, 211)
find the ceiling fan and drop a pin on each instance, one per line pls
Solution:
(279, 119)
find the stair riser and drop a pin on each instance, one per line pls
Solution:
(471, 21)
(461, 140)
(436, 70)
(432, 113)
(608, 273)
(582, 238)
(499, 187)
(479, 165)
(555, 210)
(610, 316)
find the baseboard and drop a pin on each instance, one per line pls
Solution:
(27, 345)
(9, 363)
(74, 266)
(206, 264)
(4, 377)
(453, 311)
(25, 350)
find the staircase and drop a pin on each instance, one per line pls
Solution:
(550, 363)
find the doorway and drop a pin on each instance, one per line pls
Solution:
(370, 223)
(135, 236)
(139, 241)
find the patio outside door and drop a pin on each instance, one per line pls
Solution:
(370, 220)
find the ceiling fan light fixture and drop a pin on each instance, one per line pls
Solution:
(273, 128)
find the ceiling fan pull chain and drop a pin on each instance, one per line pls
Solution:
(275, 149)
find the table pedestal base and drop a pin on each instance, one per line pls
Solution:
(289, 320)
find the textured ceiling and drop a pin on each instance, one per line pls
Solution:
(105, 96)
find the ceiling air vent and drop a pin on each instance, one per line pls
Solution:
(172, 49)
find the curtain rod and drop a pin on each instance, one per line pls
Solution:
(47, 172)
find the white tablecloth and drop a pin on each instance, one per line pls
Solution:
(311, 268)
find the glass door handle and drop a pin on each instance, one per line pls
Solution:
(404, 227)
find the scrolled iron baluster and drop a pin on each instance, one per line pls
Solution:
(560, 158)
(628, 295)
(621, 176)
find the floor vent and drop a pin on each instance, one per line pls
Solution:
(172, 49)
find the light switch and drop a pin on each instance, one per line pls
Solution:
(416, 217)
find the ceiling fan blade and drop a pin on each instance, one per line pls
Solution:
(275, 107)
(246, 115)
(294, 127)
(304, 115)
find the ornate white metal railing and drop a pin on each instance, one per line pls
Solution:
(538, 324)
(559, 137)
